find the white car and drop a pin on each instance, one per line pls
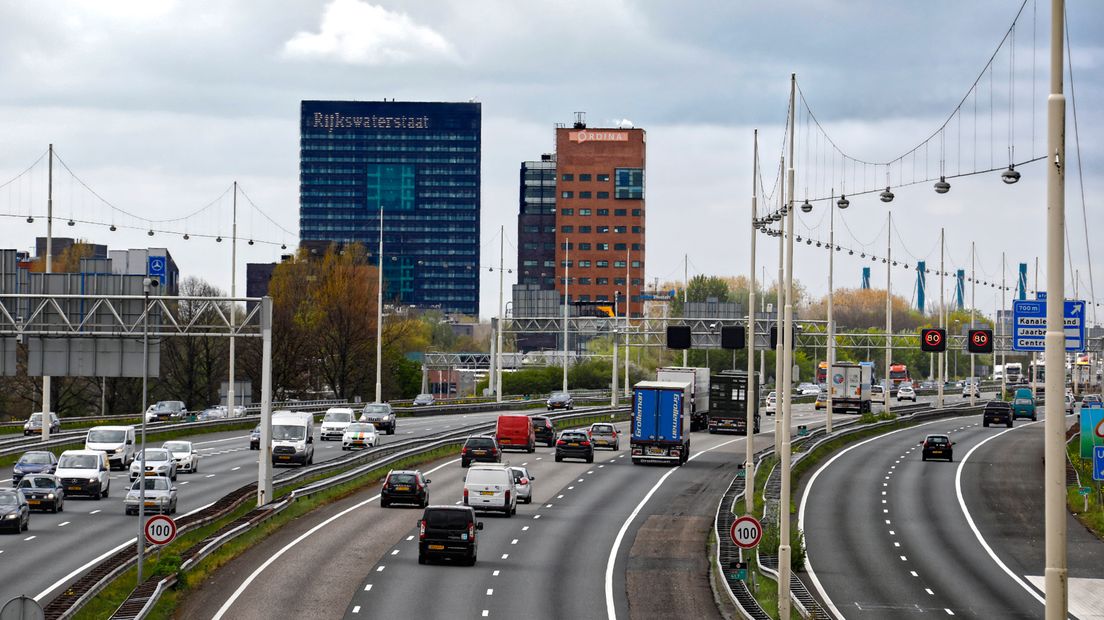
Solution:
(359, 435)
(185, 455)
(490, 486)
(906, 392)
(159, 462)
(770, 406)
(808, 389)
(877, 393)
(335, 421)
(523, 484)
(967, 387)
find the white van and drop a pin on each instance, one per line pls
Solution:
(116, 441)
(292, 437)
(84, 472)
(334, 423)
(491, 487)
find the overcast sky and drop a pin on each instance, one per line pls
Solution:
(159, 105)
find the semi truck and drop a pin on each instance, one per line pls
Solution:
(728, 399)
(660, 422)
(850, 387)
(698, 378)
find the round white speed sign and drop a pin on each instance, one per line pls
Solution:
(160, 530)
(746, 532)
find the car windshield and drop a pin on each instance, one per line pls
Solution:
(153, 483)
(360, 428)
(37, 482)
(573, 437)
(177, 446)
(605, 429)
(106, 436)
(448, 519)
(772, 395)
(937, 439)
(36, 417)
(1023, 401)
(401, 478)
(79, 461)
(370, 409)
(560, 395)
(284, 432)
(480, 442)
(8, 499)
(154, 455)
(338, 416)
(35, 458)
(424, 397)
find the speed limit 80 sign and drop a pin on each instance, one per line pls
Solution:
(980, 341)
(933, 340)
(746, 532)
(160, 530)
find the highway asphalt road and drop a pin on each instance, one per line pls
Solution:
(58, 548)
(888, 534)
(550, 560)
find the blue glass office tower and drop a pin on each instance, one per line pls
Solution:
(418, 162)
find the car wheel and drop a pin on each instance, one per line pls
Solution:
(60, 507)
(923, 458)
(1034, 419)
(421, 559)
(384, 503)
(590, 459)
(472, 560)
(464, 463)
(559, 458)
(985, 424)
(551, 443)
(1010, 424)
(509, 513)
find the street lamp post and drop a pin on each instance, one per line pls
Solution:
(942, 321)
(230, 395)
(613, 338)
(567, 284)
(47, 389)
(889, 311)
(787, 369)
(831, 348)
(973, 304)
(752, 389)
(147, 283)
(498, 335)
(778, 301)
(379, 313)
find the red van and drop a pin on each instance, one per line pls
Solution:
(516, 431)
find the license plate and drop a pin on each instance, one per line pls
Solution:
(600, 442)
(285, 458)
(573, 444)
(358, 443)
(937, 452)
(150, 504)
(74, 488)
(479, 452)
(486, 492)
(437, 547)
(402, 488)
(33, 502)
(653, 450)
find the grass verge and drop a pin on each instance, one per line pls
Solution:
(1093, 516)
(107, 601)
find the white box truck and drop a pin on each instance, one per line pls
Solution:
(698, 378)
(292, 437)
(850, 387)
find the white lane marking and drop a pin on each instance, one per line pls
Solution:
(514, 541)
(580, 479)
(892, 533)
(203, 443)
(6, 480)
(490, 591)
(94, 511)
(356, 609)
(209, 476)
(379, 569)
(1, 551)
(505, 556)
(548, 505)
(185, 482)
(904, 559)
(929, 591)
(970, 519)
(558, 497)
(368, 588)
(411, 537)
(539, 457)
(30, 538)
(536, 516)
(235, 468)
(525, 463)
(896, 544)
(495, 574)
(601, 466)
(949, 612)
(591, 471)
(611, 612)
(395, 552)
(525, 528)
(913, 573)
(275, 556)
(885, 501)
(805, 500)
(885, 511)
(486, 612)
(63, 523)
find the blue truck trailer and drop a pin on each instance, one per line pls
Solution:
(660, 422)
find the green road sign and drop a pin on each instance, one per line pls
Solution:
(1084, 491)
(1092, 430)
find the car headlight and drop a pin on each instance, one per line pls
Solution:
(162, 467)
(11, 516)
(93, 480)
(119, 450)
(50, 496)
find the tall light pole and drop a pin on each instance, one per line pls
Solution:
(498, 346)
(831, 352)
(889, 310)
(787, 371)
(567, 285)
(628, 303)
(614, 394)
(147, 283)
(752, 389)
(230, 396)
(942, 320)
(46, 380)
(685, 298)
(1054, 424)
(973, 304)
(379, 312)
(778, 301)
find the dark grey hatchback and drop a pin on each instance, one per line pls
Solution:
(448, 532)
(997, 412)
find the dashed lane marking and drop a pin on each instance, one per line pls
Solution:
(536, 516)
(525, 528)
(380, 569)
(395, 552)
(929, 591)
(514, 541)
(490, 591)
(356, 609)
(558, 497)
(94, 512)
(209, 476)
(495, 573)
(913, 573)
(63, 524)
(505, 556)
(30, 538)
(411, 537)
(368, 588)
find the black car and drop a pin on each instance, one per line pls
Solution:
(480, 449)
(543, 429)
(997, 412)
(574, 444)
(560, 400)
(381, 415)
(15, 513)
(448, 532)
(937, 447)
(43, 492)
(405, 487)
(255, 438)
(34, 462)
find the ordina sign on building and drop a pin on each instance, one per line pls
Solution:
(598, 136)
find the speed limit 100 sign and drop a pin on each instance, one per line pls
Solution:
(746, 532)
(160, 530)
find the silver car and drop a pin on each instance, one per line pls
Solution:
(523, 484)
(160, 496)
(159, 462)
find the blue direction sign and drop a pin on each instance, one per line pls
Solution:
(1098, 463)
(156, 268)
(1029, 325)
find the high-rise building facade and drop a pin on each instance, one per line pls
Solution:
(600, 213)
(537, 224)
(417, 163)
